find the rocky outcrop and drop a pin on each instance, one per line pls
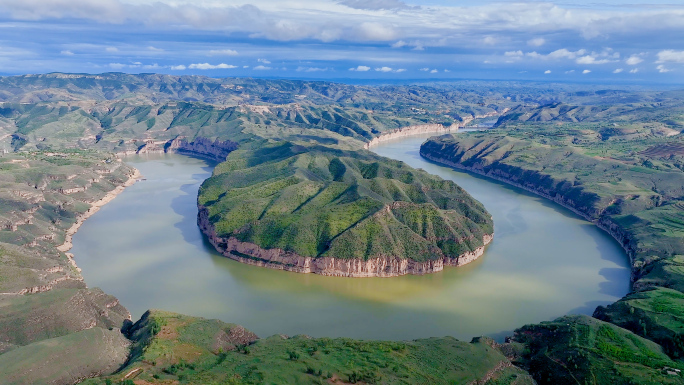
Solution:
(381, 266)
(426, 129)
(202, 147)
(590, 214)
(410, 131)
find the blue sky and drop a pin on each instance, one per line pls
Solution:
(571, 40)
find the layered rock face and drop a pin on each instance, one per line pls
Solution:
(421, 129)
(575, 199)
(412, 130)
(206, 148)
(384, 266)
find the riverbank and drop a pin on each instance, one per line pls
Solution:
(613, 230)
(423, 129)
(94, 207)
(382, 266)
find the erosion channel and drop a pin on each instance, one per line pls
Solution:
(145, 248)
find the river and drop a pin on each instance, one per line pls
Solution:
(145, 248)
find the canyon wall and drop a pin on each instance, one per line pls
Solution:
(421, 129)
(381, 266)
(202, 147)
(531, 185)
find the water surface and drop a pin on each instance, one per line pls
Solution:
(145, 248)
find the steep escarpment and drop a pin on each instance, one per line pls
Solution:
(638, 199)
(422, 129)
(216, 150)
(333, 212)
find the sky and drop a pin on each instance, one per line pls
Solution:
(571, 40)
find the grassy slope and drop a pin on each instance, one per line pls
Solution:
(190, 350)
(36, 209)
(630, 181)
(65, 359)
(320, 202)
(583, 350)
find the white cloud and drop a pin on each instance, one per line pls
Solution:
(536, 42)
(425, 69)
(384, 69)
(67, 53)
(379, 20)
(670, 56)
(223, 52)
(311, 69)
(661, 68)
(207, 66)
(154, 49)
(570, 72)
(178, 67)
(112, 49)
(360, 69)
(490, 40)
(547, 72)
(375, 5)
(434, 71)
(588, 59)
(375, 31)
(245, 66)
(633, 60)
(264, 61)
(517, 53)
(586, 72)
(618, 70)
(262, 68)
(400, 70)
(634, 71)
(399, 44)
(447, 70)
(564, 53)
(117, 66)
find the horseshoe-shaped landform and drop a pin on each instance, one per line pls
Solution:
(312, 209)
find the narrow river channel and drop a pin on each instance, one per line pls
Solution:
(145, 248)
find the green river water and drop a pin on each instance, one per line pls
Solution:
(145, 248)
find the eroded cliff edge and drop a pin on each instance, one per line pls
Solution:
(381, 266)
(314, 209)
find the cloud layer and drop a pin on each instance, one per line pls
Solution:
(318, 38)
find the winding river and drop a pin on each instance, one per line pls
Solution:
(145, 248)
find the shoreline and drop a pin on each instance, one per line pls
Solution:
(423, 129)
(379, 267)
(611, 229)
(94, 207)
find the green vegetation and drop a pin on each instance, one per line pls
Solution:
(620, 166)
(583, 350)
(200, 351)
(320, 202)
(300, 182)
(46, 311)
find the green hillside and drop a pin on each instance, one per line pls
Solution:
(319, 202)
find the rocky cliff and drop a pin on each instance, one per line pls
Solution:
(203, 147)
(426, 129)
(380, 266)
(568, 199)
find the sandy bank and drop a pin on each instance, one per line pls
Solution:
(94, 207)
